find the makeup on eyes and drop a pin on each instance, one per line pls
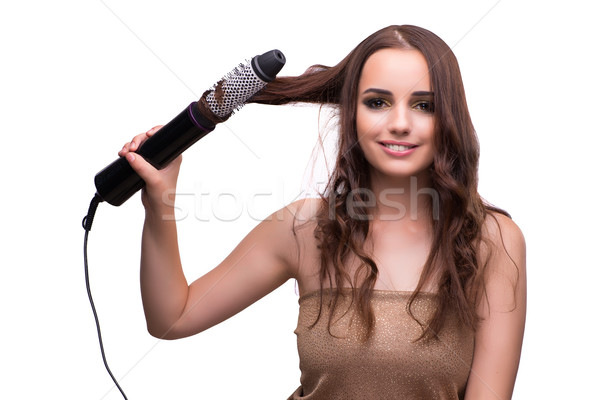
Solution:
(420, 97)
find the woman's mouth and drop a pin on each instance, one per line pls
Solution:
(398, 149)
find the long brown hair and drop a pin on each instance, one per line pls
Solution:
(453, 261)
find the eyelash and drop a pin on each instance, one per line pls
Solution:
(426, 103)
(378, 103)
(371, 103)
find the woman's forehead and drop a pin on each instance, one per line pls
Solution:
(400, 71)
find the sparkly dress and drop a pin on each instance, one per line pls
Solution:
(390, 365)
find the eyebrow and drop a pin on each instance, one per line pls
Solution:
(379, 91)
(422, 93)
(388, 93)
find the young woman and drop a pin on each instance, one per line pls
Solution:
(411, 286)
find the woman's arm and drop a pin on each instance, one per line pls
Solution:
(499, 338)
(263, 261)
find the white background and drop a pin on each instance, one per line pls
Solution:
(79, 78)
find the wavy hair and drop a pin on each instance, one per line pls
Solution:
(453, 263)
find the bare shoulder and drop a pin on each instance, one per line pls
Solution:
(503, 236)
(304, 209)
(295, 214)
(298, 215)
(500, 228)
(291, 229)
(505, 253)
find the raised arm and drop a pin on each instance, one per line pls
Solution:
(499, 339)
(263, 261)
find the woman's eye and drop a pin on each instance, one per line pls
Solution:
(376, 104)
(426, 106)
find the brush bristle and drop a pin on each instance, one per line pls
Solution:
(231, 93)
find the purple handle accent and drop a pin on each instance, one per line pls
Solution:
(193, 112)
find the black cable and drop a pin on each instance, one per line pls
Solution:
(87, 225)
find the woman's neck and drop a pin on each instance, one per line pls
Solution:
(408, 199)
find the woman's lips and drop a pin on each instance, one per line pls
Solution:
(398, 148)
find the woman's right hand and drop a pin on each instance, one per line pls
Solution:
(159, 191)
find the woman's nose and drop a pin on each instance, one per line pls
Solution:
(399, 120)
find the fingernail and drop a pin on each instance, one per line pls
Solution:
(130, 157)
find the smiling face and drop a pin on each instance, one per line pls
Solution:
(394, 117)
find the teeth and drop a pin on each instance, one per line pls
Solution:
(396, 147)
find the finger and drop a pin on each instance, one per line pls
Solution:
(137, 141)
(144, 169)
(124, 149)
(154, 130)
(141, 138)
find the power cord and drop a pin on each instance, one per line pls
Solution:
(87, 225)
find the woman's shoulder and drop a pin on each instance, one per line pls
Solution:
(503, 247)
(299, 222)
(299, 212)
(290, 228)
(307, 208)
(502, 231)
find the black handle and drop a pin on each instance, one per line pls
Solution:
(116, 183)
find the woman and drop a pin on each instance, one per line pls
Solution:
(411, 286)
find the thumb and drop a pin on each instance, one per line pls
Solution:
(142, 167)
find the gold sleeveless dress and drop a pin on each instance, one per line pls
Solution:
(390, 365)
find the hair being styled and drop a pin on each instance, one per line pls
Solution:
(453, 265)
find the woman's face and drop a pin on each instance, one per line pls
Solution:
(394, 117)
